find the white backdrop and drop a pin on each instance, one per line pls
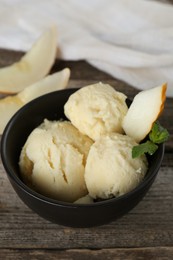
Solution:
(130, 39)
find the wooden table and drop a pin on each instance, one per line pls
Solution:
(145, 233)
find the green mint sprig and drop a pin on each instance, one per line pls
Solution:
(157, 135)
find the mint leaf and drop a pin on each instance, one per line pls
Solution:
(147, 147)
(158, 134)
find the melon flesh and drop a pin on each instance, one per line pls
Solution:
(33, 66)
(11, 104)
(144, 111)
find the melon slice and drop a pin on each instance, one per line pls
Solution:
(144, 111)
(33, 66)
(11, 104)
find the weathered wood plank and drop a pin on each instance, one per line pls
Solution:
(85, 254)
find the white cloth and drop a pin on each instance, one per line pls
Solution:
(130, 39)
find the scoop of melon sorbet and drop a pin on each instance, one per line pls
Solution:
(53, 159)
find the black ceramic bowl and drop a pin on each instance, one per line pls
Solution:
(50, 106)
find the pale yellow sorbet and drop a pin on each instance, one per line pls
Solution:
(110, 169)
(53, 160)
(96, 110)
(84, 200)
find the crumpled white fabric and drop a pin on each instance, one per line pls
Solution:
(130, 39)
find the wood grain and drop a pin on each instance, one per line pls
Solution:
(85, 254)
(145, 233)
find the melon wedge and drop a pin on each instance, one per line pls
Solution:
(33, 66)
(11, 104)
(144, 111)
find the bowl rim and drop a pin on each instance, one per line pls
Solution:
(11, 174)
